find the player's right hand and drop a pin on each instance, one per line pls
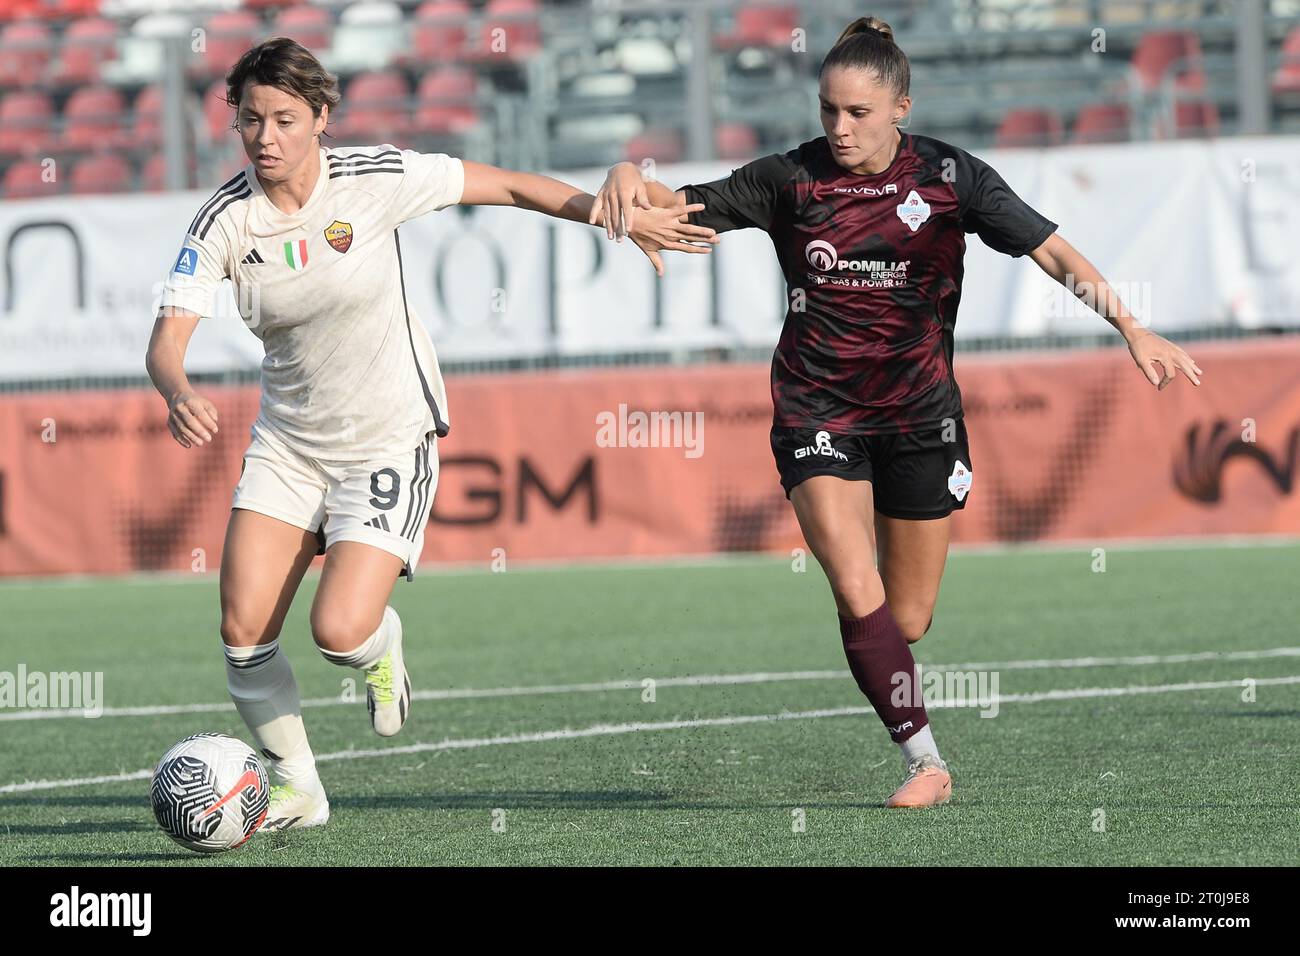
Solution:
(665, 227)
(191, 419)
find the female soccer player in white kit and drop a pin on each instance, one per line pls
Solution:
(343, 456)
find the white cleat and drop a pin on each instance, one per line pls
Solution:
(293, 809)
(388, 689)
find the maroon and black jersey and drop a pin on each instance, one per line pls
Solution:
(873, 269)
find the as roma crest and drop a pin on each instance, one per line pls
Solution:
(339, 235)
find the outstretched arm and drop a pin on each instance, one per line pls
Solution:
(489, 186)
(665, 229)
(1067, 265)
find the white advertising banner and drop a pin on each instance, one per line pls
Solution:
(1190, 234)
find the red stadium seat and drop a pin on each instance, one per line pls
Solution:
(1287, 77)
(661, 145)
(262, 5)
(439, 34)
(146, 130)
(87, 46)
(1191, 118)
(69, 9)
(735, 141)
(310, 26)
(512, 21)
(376, 108)
(1029, 127)
(25, 179)
(217, 114)
(445, 101)
(153, 176)
(101, 173)
(93, 118)
(25, 52)
(26, 124)
(1164, 51)
(1102, 123)
(228, 36)
(761, 26)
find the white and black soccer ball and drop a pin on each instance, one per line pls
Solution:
(210, 793)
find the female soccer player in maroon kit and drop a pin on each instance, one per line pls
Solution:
(869, 226)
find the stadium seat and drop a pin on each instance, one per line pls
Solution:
(376, 108)
(101, 173)
(1102, 123)
(735, 141)
(1162, 52)
(1287, 77)
(25, 53)
(228, 35)
(69, 9)
(26, 123)
(25, 179)
(153, 175)
(761, 26)
(93, 118)
(264, 5)
(369, 36)
(1191, 117)
(661, 145)
(445, 101)
(1029, 127)
(218, 115)
(441, 27)
(513, 23)
(146, 128)
(310, 26)
(87, 45)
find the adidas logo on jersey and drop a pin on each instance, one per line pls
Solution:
(252, 259)
(380, 522)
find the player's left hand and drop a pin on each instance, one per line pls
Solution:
(662, 227)
(1160, 360)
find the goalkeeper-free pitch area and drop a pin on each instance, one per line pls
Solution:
(703, 713)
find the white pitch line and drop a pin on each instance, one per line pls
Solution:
(609, 730)
(701, 680)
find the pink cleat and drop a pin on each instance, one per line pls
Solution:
(927, 785)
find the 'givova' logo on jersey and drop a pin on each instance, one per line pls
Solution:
(822, 446)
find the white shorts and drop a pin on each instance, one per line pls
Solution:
(384, 502)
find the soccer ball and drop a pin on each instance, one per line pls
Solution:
(210, 793)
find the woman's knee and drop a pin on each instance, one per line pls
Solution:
(913, 622)
(335, 629)
(857, 594)
(245, 630)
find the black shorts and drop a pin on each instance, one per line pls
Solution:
(914, 475)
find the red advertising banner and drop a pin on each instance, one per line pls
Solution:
(660, 461)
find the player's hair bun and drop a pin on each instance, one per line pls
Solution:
(868, 25)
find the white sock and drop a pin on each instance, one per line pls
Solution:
(372, 648)
(261, 684)
(921, 742)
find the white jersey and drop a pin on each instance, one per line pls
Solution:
(350, 372)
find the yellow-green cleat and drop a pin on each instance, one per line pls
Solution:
(293, 809)
(388, 687)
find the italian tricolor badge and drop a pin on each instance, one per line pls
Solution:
(295, 253)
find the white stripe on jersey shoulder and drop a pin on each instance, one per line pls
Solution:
(363, 160)
(233, 190)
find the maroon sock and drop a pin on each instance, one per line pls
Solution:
(877, 652)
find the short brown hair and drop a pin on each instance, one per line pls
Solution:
(287, 65)
(868, 44)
